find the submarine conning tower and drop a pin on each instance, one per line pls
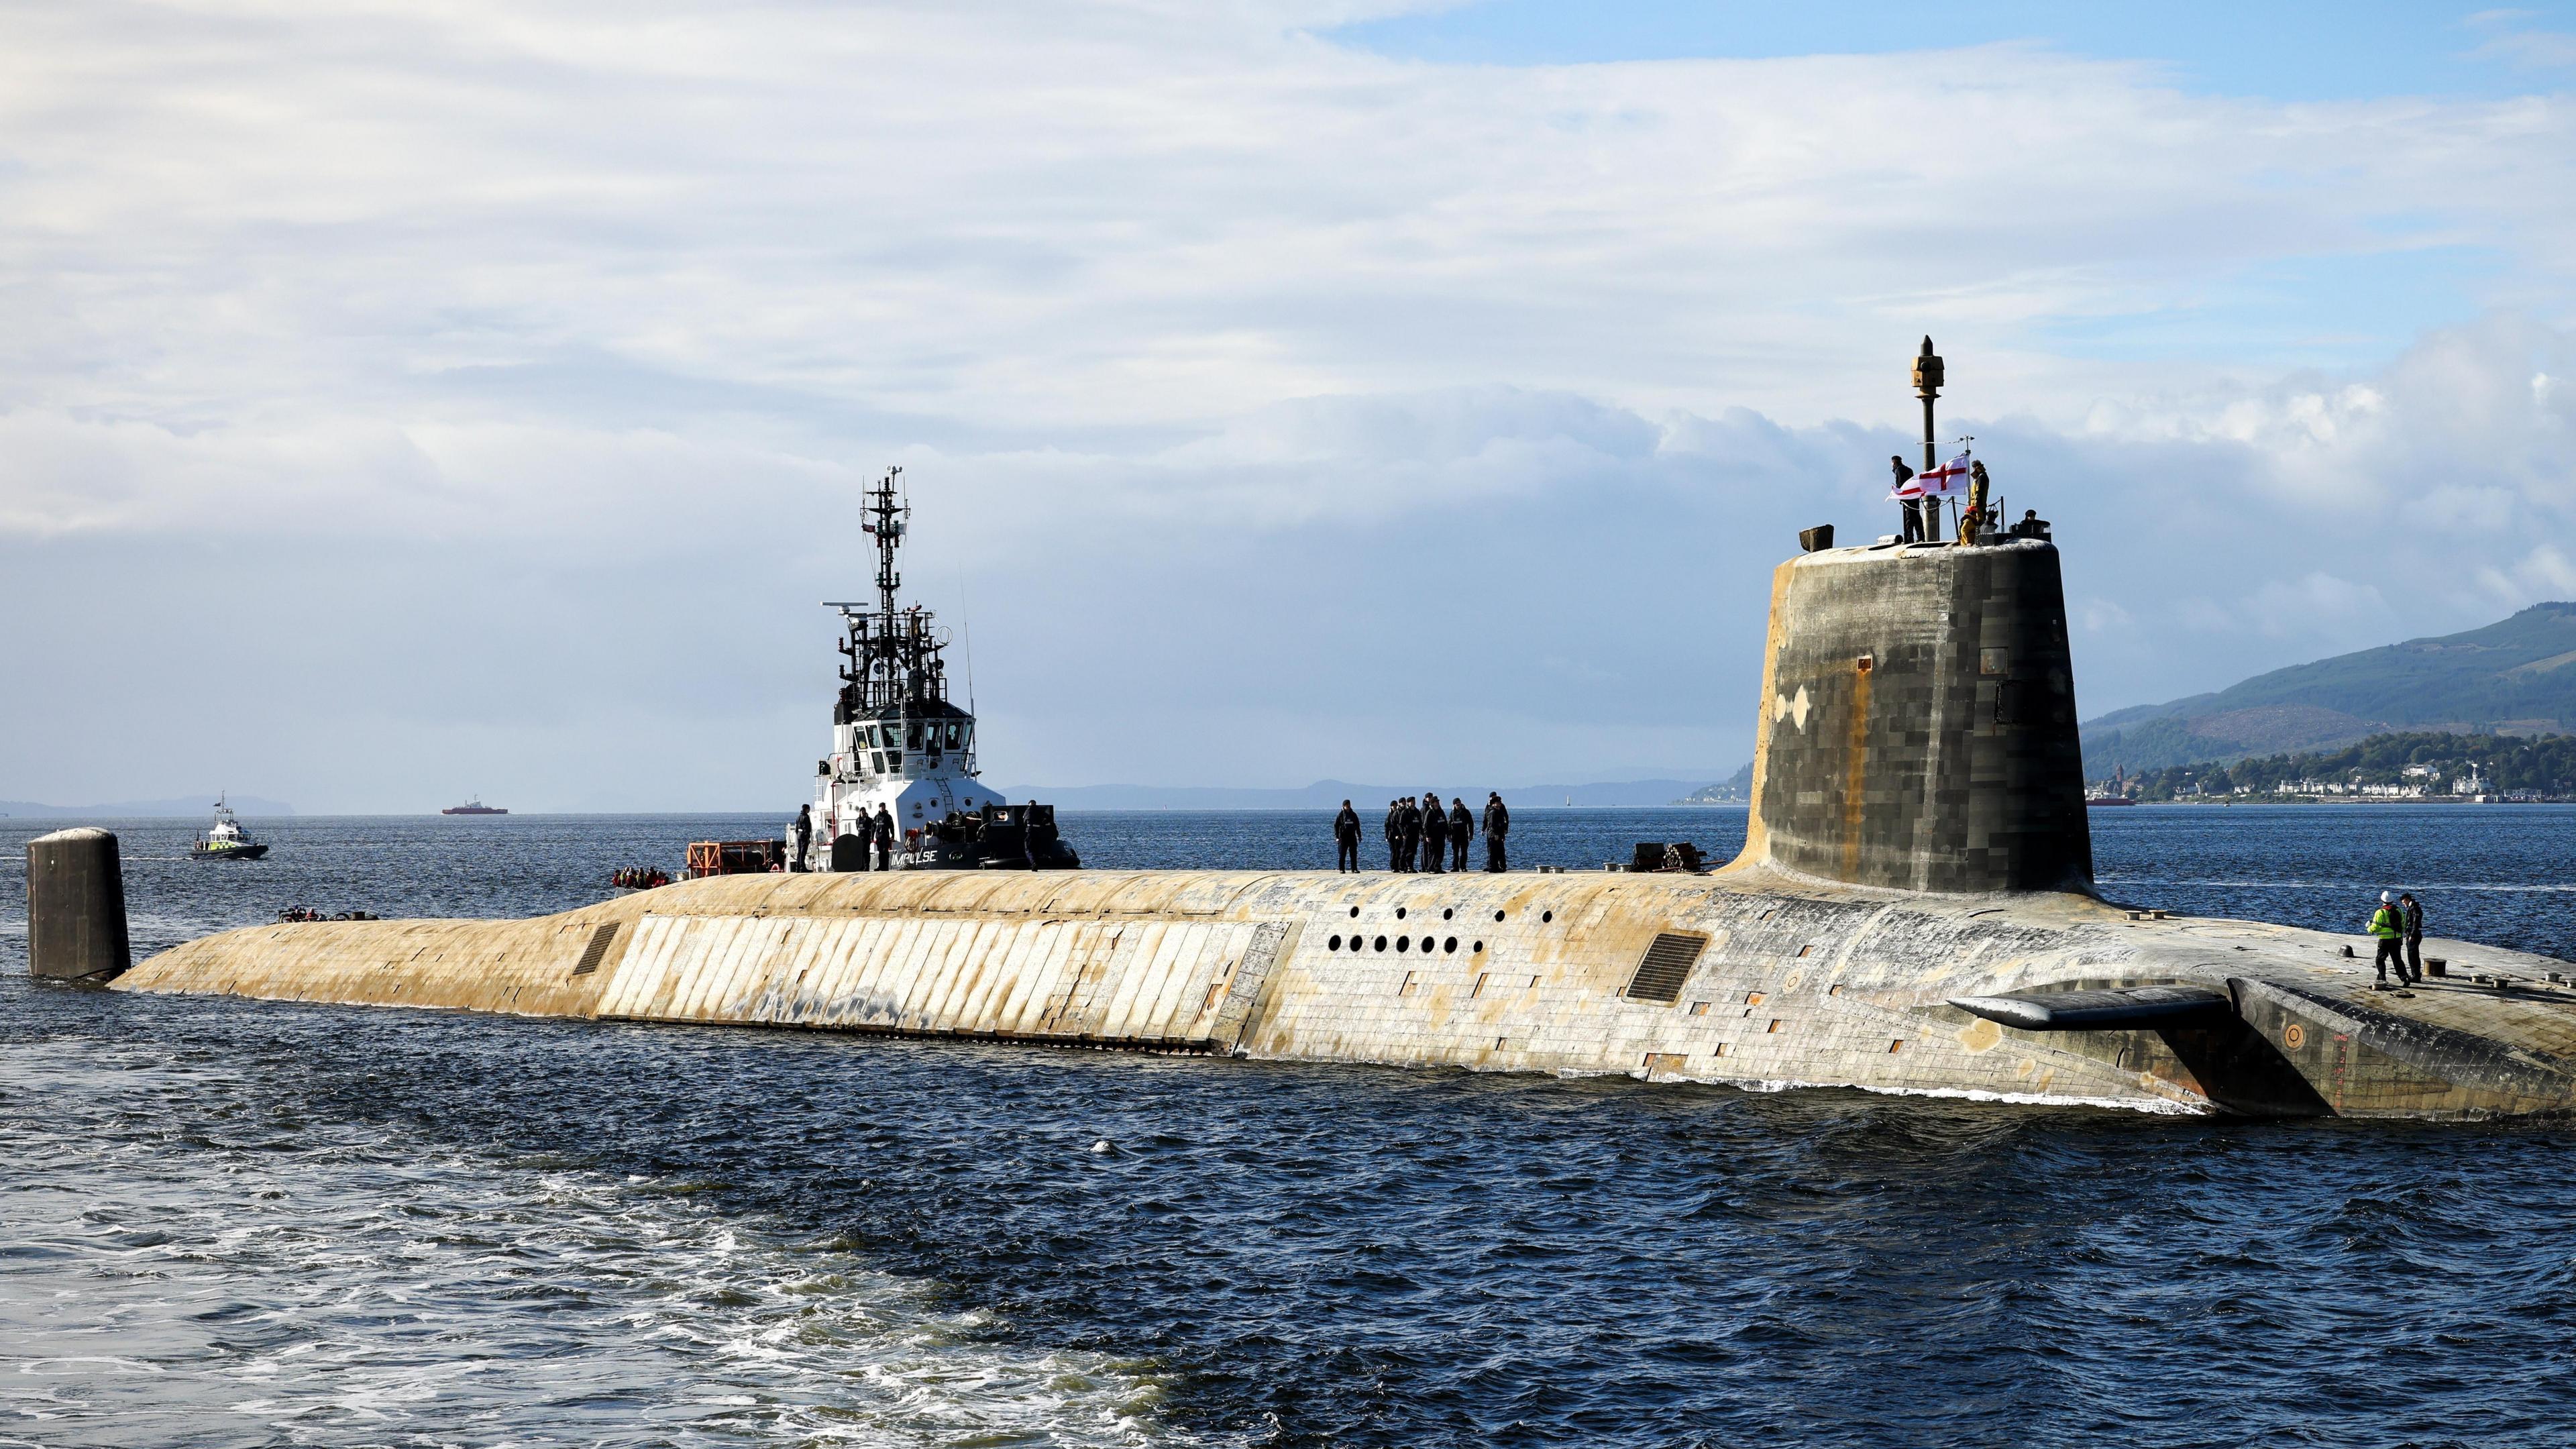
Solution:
(1917, 721)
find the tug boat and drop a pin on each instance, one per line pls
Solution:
(225, 839)
(901, 746)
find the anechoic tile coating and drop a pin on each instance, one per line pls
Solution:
(1917, 722)
(1799, 981)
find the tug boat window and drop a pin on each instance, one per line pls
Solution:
(956, 734)
(912, 736)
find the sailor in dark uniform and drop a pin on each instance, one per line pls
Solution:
(1435, 832)
(885, 838)
(1498, 823)
(1913, 506)
(1462, 828)
(804, 836)
(1395, 835)
(1346, 840)
(1412, 833)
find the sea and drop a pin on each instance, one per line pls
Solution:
(229, 1223)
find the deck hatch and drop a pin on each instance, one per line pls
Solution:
(596, 951)
(1667, 964)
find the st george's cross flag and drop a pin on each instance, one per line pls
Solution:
(1950, 477)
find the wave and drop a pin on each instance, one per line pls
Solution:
(188, 1265)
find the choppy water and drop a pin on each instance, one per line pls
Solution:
(229, 1223)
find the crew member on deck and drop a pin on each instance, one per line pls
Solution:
(1913, 531)
(1462, 828)
(2388, 927)
(804, 836)
(885, 838)
(1498, 823)
(1346, 840)
(1411, 820)
(2410, 919)
(1435, 831)
(1395, 835)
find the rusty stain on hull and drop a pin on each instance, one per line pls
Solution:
(1856, 771)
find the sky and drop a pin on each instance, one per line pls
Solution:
(401, 402)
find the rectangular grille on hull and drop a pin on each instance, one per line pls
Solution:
(1666, 966)
(597, 950)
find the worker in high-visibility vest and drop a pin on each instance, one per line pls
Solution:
(2388, 927)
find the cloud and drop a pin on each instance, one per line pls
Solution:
(1275, 407)
(2511, 40)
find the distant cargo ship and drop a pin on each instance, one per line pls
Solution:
(473, 807)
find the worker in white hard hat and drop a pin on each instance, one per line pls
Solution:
(2389, 929)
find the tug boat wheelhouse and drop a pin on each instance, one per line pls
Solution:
(901, 749)
(226, 840)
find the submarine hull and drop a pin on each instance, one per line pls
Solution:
(1753, 977)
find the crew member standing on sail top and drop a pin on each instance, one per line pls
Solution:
(1913, 506)
(1395, 835)
(1498, 823)
(1435, 832)
(1346, 840)
(1462, 828)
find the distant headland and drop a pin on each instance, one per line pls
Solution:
(177, 805)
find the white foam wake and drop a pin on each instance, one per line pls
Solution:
(177, 1267)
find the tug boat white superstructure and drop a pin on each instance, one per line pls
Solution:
(899, 790)
(226, 840)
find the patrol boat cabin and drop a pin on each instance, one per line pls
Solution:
(903, 752)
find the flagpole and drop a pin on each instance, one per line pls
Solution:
(1927, 386)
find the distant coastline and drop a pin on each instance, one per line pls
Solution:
(179, 806)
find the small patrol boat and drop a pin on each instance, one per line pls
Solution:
(904, 752)
(225, 839)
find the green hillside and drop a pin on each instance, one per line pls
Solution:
(2430, 762)
(2517, 676)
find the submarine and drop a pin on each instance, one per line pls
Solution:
(1913, 912)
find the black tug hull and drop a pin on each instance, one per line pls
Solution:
(849, 857)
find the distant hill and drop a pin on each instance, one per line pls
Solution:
(1735, 789)
(2514, 677)
(1329, 795)
(142, 809)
